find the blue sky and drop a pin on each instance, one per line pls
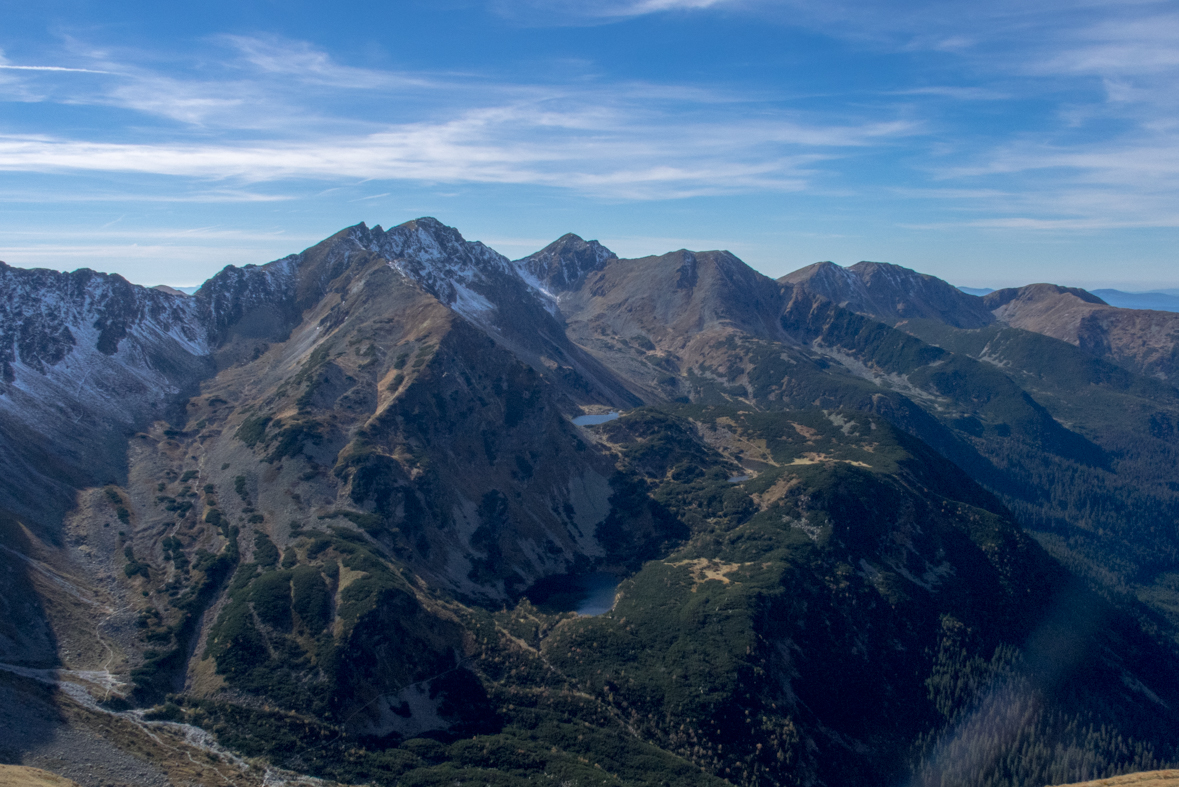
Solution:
(991, 144)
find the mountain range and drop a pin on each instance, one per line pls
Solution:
(1162, 300)
(333, 517)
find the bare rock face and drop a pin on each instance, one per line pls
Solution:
(459, 274)
(563, 264)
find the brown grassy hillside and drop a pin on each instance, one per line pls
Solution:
(1143, 779)
(20, 776)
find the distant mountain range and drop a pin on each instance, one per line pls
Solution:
(1162, 300)
(333, 516)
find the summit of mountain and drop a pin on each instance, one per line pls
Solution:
(563, 264)
(1050, 309)
(675, 297)
(653, 319)
(891, 293)
(1042, 293)
(1142, 340)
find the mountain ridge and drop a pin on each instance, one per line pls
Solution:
(891, 293)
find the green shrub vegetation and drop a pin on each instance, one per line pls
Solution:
(817, 597)
(252, 430)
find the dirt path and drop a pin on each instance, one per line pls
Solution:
(188, 754)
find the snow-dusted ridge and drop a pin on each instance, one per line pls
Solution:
(82, 330)
(85, 359)
(77, 330)
(92, 345)
(46, 316)
(464, 275)
(88, 358)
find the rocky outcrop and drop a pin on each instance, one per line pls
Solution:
(563, 264)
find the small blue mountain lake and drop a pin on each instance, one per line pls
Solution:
(585, 594)
(594, 420)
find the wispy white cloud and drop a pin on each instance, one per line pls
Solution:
(156, 235)
(269, 110)
(1054, 189)
(485, 147)
(1131, 41)
(7, 67)
(308, 64)
(636, 140)
(1145, 163)
(958, 93)
(244, 83)
(573, 12)
(199, 194)
(657, 6)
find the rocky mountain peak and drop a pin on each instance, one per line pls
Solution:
(827, 279)
(1037, 293)
(454, 270)
(563, 264)
(256, 300)
(904, 292)
(892, 293)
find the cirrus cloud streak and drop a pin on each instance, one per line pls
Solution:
(609, 151)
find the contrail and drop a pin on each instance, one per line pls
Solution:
(54, 68)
